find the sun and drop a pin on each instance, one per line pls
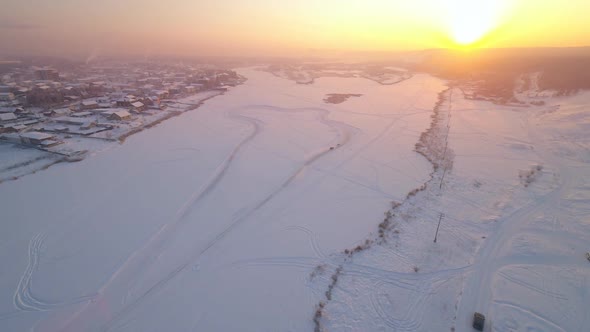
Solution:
(471, 20)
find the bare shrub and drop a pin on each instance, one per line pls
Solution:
(319, 270)
(528, 177)
(318, 315)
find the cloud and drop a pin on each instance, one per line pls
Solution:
(18, 26)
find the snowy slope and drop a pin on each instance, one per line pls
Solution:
(513, 232)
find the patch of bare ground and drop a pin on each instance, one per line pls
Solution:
(339, 98)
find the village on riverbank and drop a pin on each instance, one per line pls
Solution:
(48, 115)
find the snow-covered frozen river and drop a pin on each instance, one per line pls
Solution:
(214, 220)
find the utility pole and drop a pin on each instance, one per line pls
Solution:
(438, 227)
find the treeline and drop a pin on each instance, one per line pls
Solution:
(566, 75)
(564, 69)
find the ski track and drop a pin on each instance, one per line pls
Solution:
(140, 260)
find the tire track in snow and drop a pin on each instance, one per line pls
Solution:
(313, 241)
(410, 320)
(531, 314)
(138, 260)
(305, 263)
(405, 280)
(380, 135)
(345, 137)
(532, 287)
(24, 299)
(489, 259)
(142, 258)
(221, 169)
(423, 286)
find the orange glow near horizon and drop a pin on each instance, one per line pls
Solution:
(274, 27)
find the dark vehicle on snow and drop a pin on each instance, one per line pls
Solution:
(478, 321)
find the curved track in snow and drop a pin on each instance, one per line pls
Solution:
(24, 299)
(145, 256)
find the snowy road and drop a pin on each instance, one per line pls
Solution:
(512, 240)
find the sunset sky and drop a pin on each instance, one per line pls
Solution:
(272, 27)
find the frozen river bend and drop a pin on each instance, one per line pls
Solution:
(263, 210)
(213, 220)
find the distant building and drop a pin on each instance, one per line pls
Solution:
(19, 127)
(89, 104)
(6, 96)
(59, 129)
(137, 106)
(21, 111)
(175, 90)
(72, 98)
(88, 125)
(6, 88)
(71, 121)
(162, 94)
(58, 112)
(81, 114)
(126, 101)
(46, 74)
(7, 117)
(119, 116)
(153, 102)
(6, 130)
(39, 139)
(198, 87)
